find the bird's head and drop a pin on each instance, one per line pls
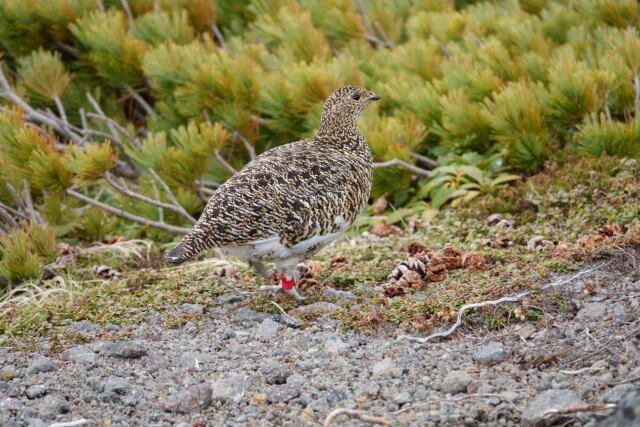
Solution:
(343, 107)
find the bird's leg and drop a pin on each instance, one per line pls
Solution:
(287, 286)
(259, 268)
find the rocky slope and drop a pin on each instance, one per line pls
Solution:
(229, 365)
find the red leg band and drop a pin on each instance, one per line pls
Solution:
(287, 285)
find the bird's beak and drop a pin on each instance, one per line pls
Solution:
(374, 97)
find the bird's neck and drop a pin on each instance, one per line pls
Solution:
(334, 129)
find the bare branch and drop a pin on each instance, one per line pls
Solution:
(387, 42)
(178, 209)
(127, 215)
(13, 212)
(224, 162)
(33, 114)
(8, 218)
(514, 298)
(367, 24)
(144, 104)
(63, 114)
(247, 145)
(636, 88)
(156, 194)
(397, 162)
(111, 124)
(427, 162)
(28, 201)
(210, 184)
(127, 10)
(177, 206)
(216, 32)
(444, 49)
(361, 415)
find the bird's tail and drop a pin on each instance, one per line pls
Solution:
(193, 243)
(178, 255)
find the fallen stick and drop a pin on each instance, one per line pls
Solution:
(361, 415)
(514, 298)
(578, 408)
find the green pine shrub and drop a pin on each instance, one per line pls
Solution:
(24, 251)
(186, 83)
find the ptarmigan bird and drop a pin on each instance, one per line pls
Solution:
(293, 200)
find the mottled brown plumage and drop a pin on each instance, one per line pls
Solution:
(292, 200)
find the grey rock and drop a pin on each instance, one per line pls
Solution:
(196, 309)
(111, 327)
(51, 406)
(277, 375)
(193, 359)
(248, 317)
(402, 398)
(456, 381)
(35, 422)
(616, 394)
(383, 368)
(83, 326)
(193, 399)
(125, 349)
(228, 298)
(8, 372)
(95, 383)
(229, 389)
(490, 353)
(288, 321)
(336, 293)
(370, 389)
(550, 399)
(41, 364)
(79, 354)
(335, 396)
(183, 424)
(627, 412)
(116, 385)
(335, 345)
(319, 404)
(10, 404)
(267, 329)
(282, 393)
(36, 391)
(592, 311)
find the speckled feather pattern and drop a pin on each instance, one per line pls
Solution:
(307, 188)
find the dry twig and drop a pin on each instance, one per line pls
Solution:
(367, 24)
(173, 199)
(397, 162)
(579, 408)
(127, 215)
(514, 298)
(361, 415)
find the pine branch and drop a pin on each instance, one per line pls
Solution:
(8, 218)
(32, 114)
(216, 32)
(427, 162)
(127, 215)
(224, 162)
(13, 212)
(247, 145)
(144, 104)
(112, 125)
(397, 162)
(127, 10)
(636, 88)
(367, 24)
(132, 194)
(173, 199)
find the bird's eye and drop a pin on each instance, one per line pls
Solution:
(356, 97)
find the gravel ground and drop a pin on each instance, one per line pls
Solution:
(233, 366)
